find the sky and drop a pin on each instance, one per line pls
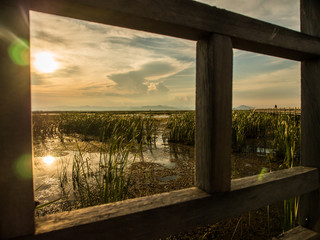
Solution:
(100, 67)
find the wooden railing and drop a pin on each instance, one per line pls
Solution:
(290, 111)
(215, 196)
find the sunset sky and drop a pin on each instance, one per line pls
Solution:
(106, 67)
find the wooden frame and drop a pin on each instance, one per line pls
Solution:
(217, 32)
(310, 114)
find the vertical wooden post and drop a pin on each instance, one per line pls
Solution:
(16, 180)
(214, 113)
(310, 113)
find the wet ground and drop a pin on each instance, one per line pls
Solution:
(161, 167)
(154, 169)
(158, 168)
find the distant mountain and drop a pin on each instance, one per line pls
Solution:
(156, 108)
(77, 108)
(243, 107)
(103, 108)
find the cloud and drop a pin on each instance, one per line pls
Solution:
(107, 65)
(46, 36)
(36, 79)
(68, 71)
(183, 79)
(90, 88)
(145, 79)
(174, 48)
(157, 88)
(184, 100)
(248, 64)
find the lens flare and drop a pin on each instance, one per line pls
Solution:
(19, 52)
(23, 166)
(48, 160)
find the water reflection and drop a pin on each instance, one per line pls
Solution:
(48, 160)
(161, 163)
(264, 150)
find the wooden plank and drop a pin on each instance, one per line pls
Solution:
(310, 115)
(157, 216)
(214, 113)
(298, 233)
(16, 183)
(190, 20)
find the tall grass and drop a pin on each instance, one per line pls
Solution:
(181, 128)
(290, 213)
(286, 143)
(96, 126)
(281, 133)
(122, 133)
(278, 132)
(44, 125)
(90, 183)
(105, 126)
(250, 125)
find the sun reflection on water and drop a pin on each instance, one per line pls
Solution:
(48, 160)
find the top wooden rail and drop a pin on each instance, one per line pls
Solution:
(186, 19)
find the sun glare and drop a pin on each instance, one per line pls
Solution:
(48, 160)
(45, 63)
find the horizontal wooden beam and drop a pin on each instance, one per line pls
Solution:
(160, 215)
(190, 20)
(298, 233)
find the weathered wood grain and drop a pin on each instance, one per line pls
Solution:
(298, 233)
(157, 216)
(191, 20)
(310, 114)
(214, 113)
(16, 183)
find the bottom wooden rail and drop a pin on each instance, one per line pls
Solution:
(298, 233)
(160, 215)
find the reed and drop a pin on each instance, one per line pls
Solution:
(281, 133)
(123, 134)
(90, 183)
(290, 213)
(181, 128)
(96, 126)
(44, 125)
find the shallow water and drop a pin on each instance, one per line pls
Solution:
(165, 155)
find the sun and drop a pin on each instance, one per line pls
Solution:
(45, 62)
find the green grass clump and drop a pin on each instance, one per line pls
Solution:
(45, 125)
(89, 185)
(281, 133)
(96, 126)
(249, 125)
(181, 128)
(104, 126)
